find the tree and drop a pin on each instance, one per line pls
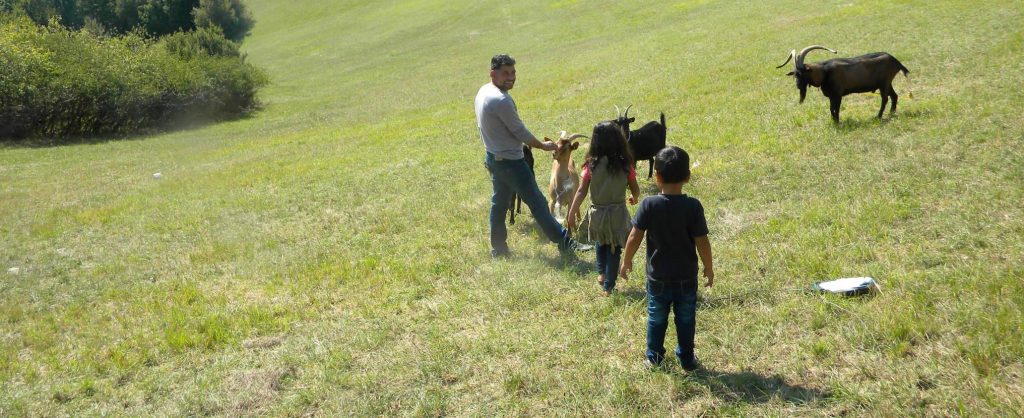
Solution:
(156, 17)
(230, 15)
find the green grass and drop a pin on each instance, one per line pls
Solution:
(328, 256)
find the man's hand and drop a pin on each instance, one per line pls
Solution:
(570, 221)
(548, 145)
(627, 267)
(709, 273)
(632, 200)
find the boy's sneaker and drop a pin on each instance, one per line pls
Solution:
(650, 365)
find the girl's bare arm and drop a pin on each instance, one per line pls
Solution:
(577, 201)
(632, 244)
(634, 188)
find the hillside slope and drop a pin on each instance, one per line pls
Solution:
(329, 256)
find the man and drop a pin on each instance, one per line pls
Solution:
(503, 135)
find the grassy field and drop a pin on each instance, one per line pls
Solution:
(328, 256)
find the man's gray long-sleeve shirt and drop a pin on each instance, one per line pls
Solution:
(501, 130)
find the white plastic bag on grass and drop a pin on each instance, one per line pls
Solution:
(851, 286)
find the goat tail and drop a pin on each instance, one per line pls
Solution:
(906, 74)
(663, 119)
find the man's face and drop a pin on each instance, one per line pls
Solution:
(504, 77)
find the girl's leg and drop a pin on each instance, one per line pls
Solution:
(602, 262)
(611, 267)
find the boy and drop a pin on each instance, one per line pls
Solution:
(676, 232)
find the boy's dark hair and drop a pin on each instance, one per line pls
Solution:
(608, 141)
(501, 59)
(672, 164)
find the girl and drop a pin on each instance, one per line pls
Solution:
(606, 173)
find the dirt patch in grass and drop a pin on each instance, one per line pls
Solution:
(253, 390)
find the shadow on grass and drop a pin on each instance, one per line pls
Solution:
(751, 387)
(633, 294)
(580, 263)
(750, 298)
(178, 125)
(851, 125)
(703, 302)
(571, 262)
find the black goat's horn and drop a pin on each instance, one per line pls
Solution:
(618, 112)
(791, 54)
(803, 53)
(626, 114)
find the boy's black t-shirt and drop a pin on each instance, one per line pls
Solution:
(671, 222)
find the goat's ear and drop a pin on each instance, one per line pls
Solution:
(789, 73)
(575, 145)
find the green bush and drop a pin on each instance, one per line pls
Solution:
(58, 82)
(208, 40)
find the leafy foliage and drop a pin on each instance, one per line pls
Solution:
(229, 15)
(207, 40)
(59, 82)
(154, 17)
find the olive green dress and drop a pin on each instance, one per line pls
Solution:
(607, 220)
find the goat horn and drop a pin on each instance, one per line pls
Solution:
(625, 115)
(791, 54)
(574, 136)
(618, 112)
(803, 53)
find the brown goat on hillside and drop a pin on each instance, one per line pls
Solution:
(565, 180)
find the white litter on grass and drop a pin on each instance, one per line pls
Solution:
(13, 270)
(157, 175)
(696, 163)
(849, 286)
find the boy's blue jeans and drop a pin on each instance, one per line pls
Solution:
(608, 259)
(661, 298)
(508, 176)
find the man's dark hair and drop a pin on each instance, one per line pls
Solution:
(673, 164)
(501, 59)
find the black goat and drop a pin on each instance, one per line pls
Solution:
(841, 76)
(516, 206)
(645, 142)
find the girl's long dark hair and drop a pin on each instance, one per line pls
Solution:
(609, 141)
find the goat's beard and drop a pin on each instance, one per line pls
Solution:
(803, 91)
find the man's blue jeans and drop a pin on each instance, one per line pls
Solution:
(608, 259)
(508, 176)
(661, 298)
